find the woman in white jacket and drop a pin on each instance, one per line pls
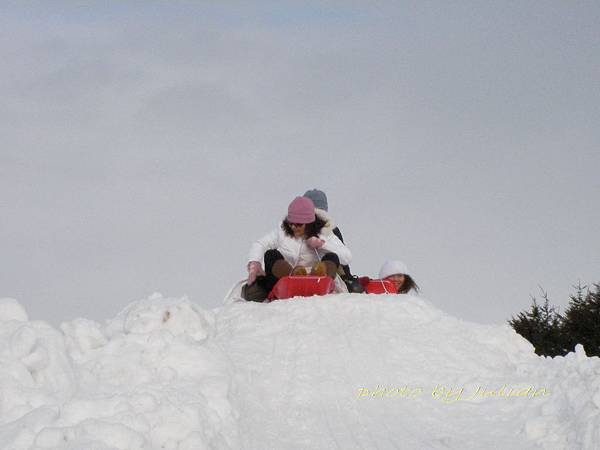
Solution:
(299, 243)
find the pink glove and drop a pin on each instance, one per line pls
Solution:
(254, 270)
(315, 242)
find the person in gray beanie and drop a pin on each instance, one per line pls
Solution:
(319, 198)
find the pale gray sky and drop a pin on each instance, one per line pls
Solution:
(145, 145)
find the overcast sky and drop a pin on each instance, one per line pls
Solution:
(145, 145)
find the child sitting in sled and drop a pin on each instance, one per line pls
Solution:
(393, 279)
(296, 247)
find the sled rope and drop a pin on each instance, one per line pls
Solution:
(318, 257)
(384, 288)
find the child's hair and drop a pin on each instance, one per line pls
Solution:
(408, 284)
(312, 229)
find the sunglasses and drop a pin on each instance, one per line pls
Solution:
(296, 225)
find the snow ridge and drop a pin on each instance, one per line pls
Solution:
(347, 371)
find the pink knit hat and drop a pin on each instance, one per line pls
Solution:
(301, 210)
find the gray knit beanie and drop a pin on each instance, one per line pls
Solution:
(318, 197)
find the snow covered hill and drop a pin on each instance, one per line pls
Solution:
(334, 372)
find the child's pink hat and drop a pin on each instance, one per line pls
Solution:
(301, 210)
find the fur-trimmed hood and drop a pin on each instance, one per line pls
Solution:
(329, 222)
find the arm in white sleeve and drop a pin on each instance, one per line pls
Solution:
(259, 247)
(334, 245)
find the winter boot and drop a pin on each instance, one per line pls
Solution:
(319, 269)
(281, 268)
(331, 268)
(299, 271)
(353, 285)
(254, 293)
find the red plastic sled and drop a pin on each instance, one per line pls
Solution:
(379, 286)
(304, 286)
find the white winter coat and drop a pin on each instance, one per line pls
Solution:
(295, 251)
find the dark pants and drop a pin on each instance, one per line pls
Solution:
(271, 256)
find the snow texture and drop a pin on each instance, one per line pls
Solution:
(345, 371)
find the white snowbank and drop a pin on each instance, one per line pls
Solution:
(341, 371)
(10, 309)
(148, 379)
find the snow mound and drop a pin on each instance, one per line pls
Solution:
(10, 309)
(147, 379)
(377, 371)
(178, 316)
(346, 371)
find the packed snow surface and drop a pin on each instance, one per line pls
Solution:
(349, 371)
